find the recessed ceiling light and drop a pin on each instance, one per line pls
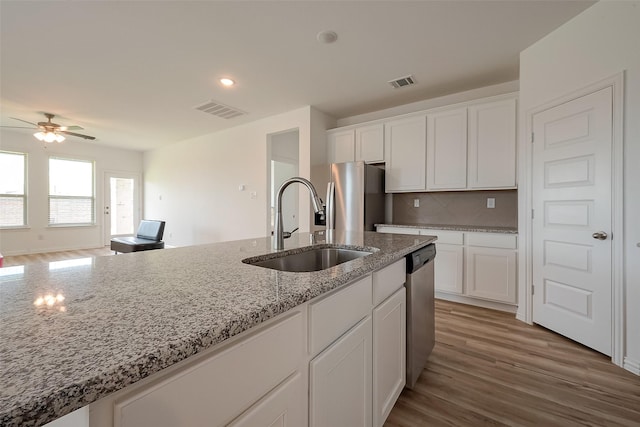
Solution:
(227, 82)
(327, 36)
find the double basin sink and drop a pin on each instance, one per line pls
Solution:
(311, 258)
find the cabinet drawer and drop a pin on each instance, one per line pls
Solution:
(444, 236)
(388, 280)
(336, 314)
(493, 240)
(196, 397)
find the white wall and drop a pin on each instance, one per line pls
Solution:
(427, 104)
(38, 237)
(597, 44)
(193, 184)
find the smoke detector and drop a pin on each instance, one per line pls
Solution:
(402, 82)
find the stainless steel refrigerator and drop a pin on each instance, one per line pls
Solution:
(355, 197)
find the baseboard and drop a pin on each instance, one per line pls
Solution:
(631, 365)
(477, 302)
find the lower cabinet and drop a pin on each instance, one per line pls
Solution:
(340, 381)
(491, 274)
(389, 354)
(356, 380)
(448, 268)
(283, 407)
(472, 267)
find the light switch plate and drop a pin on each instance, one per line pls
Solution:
(491, 203)
(416, 203)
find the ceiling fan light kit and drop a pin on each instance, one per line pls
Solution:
(51, 132)
(49, 137)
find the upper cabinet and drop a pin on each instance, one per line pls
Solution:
(370, 143)
(447, 150)
(467, 146)
(492, 145)
(364, 143)
(341, 146)
(405, 154)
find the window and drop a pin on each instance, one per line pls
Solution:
(13, 198)
(71, 192)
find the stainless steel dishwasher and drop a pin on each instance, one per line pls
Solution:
(420, 311)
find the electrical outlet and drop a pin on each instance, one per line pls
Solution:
(491, 203)
(416, 203)
(254, 195)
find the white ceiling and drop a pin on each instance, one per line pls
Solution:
(131, 72)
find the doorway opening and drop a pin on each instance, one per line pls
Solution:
(121, 206)
(282, 164)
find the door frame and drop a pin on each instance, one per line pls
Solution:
(137, 215)
(525, 206)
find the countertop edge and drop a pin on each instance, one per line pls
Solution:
(461, 228)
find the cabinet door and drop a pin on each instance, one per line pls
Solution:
(448, 268)
(283, 407)
(491, 274)
(389, 354)
(370, 143)
(341, 146)
(340, 381)
(492, 145)
(447, 150)
(405, 154)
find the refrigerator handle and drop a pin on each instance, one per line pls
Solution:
(330, 209)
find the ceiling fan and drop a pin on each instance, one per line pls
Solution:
(49, 131)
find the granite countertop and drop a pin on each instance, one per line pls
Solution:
(119, 319)
(468, 228)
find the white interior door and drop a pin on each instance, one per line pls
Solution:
(572, 219)
(121, 205)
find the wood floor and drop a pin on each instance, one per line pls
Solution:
(489, 369)
(10, 261)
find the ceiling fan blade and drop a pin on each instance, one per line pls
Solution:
(15, 118)
(17, 127)
(71, 128)
(78, 135)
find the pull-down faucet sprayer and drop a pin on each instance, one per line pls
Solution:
(278, 238)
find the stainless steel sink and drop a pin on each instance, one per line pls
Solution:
(313, 259)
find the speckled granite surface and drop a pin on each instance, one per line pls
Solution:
(128, 316)
(469, 228)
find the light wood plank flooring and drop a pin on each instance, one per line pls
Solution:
(10, 261)
(489, 369)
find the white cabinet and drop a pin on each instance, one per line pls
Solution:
(448, 268)
(389, 354)
(492, 145)
(491, 267)
(195, 395)
(447, 150)
(473, 268)
(405, 154)
(284, 407)
(370, 143)
(363, 143)
(341, 146)
(340, 381)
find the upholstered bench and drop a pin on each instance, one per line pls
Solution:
(149, 236)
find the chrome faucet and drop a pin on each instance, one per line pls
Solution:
(278, 237)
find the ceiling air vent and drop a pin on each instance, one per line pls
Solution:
(220, 110)
(402, 81)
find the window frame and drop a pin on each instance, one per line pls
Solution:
(93, 197)
(24, 196)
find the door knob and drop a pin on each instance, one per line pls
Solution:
(600, 235)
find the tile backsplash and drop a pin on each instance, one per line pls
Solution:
(457, 208)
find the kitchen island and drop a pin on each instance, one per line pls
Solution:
(72, 333)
